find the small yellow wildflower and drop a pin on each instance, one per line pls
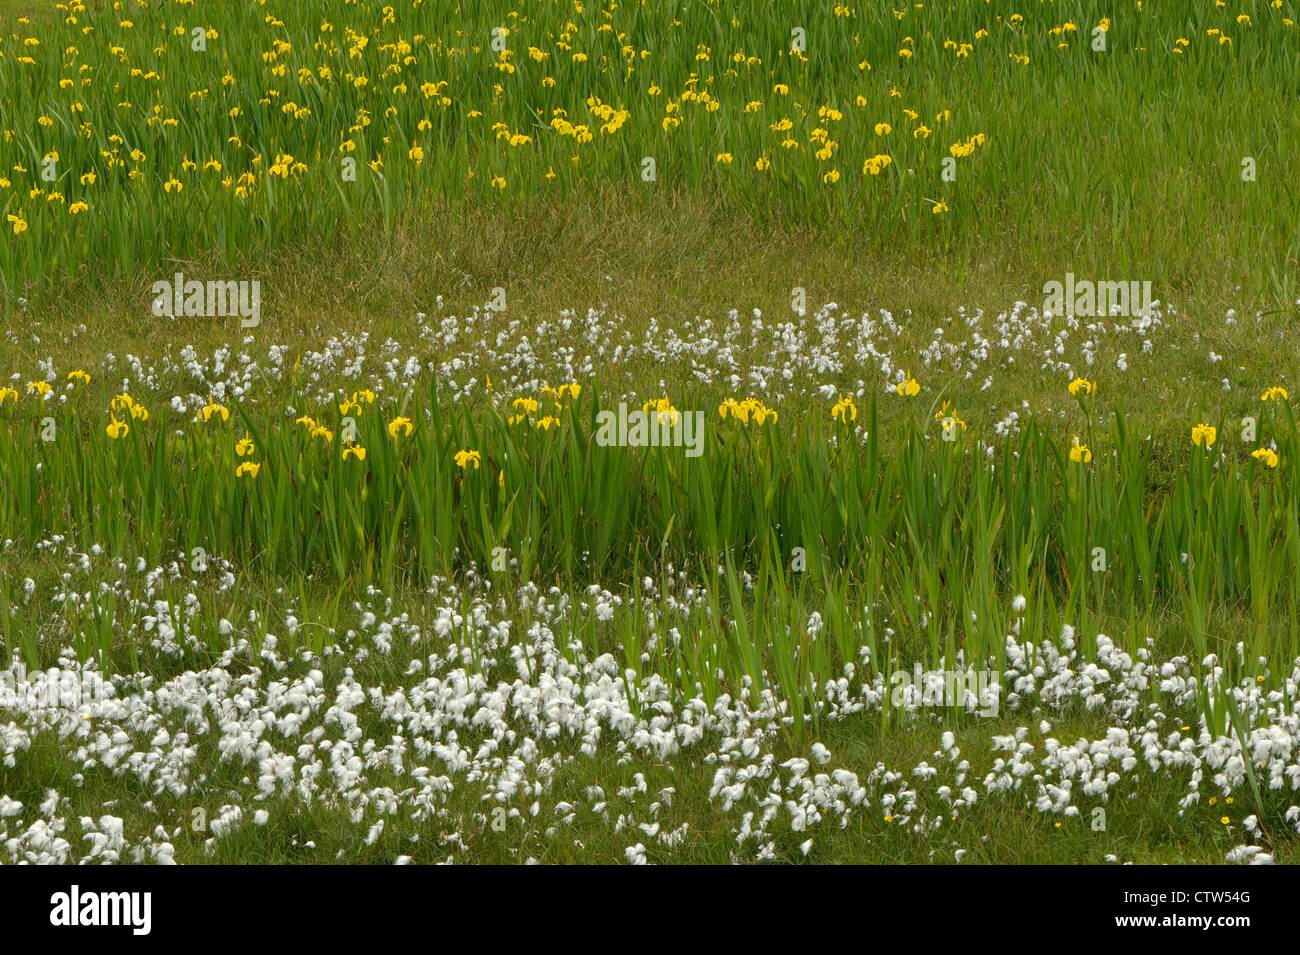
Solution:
(664, 407)
(845, 410)
(875, 164)
(949, 420)
(909, 387)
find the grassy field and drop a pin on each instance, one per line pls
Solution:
(928, 568)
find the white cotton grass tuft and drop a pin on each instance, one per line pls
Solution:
(635, 854)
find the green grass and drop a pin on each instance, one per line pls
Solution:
(668, 265)
(913, 548)
(1112, 165)
(1128, 161)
